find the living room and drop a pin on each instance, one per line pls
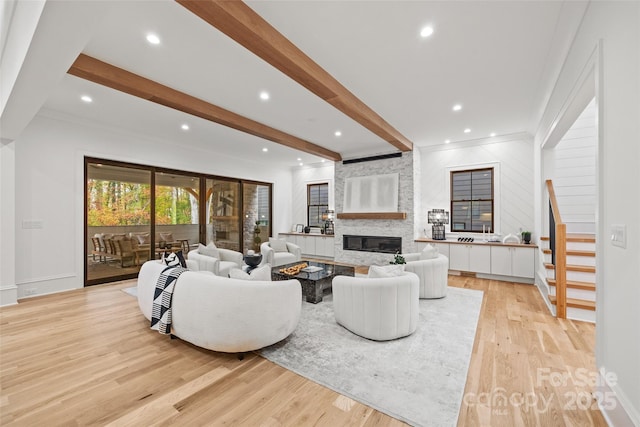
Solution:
(45, 142)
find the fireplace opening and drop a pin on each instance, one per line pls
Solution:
(383, 244)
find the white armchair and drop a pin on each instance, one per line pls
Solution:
(282, 253)
(219, 266)
(433, 273)
(380, 309)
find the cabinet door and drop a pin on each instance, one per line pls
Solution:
(523, 262)
(459, 257)
(501, 260)
(330, 246)
(480, 259)
(294, 239)
(308, 245)
(324, 247)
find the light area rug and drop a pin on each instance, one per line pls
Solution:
(418, 379)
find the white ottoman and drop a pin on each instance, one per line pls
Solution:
(379, 309)
(433, 274)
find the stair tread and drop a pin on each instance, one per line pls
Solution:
(576, 303)
(573, 252)
(584, 268)
(572, 267)
(574, 284)
(575, 237)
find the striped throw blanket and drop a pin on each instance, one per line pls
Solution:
(161, 313)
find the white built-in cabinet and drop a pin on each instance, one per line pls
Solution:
(474, 258)
(517, 261)
(312, 244)
(512, 261)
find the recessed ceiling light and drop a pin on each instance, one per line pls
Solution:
(153, 39)
(323, 160)
(299, 159)
(426, 31)
(264, 95)
(337, 133)
(265, 149)
(492, 134)
(300, 163)
(446, 141)
(467, 130)
(457, 107)
(184, 127)
(86, 98)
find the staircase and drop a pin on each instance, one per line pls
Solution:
(580, 268)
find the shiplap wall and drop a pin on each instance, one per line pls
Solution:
(574, 175)
(513, 156)
(303, 176)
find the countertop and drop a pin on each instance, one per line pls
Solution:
(476, 242)
(293, 233)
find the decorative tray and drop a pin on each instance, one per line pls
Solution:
(312, 269)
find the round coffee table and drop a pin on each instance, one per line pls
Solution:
(253, 261)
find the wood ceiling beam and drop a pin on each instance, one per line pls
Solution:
(245, 26)
(100, 72)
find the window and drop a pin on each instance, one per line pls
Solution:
(472, 200)
(317, 203)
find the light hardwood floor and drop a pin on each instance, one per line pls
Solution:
(87, 357)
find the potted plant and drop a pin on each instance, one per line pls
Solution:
(398, 259)
(526, 237)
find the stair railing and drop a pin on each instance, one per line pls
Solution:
(558, 246)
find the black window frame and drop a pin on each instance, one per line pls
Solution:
(321, 208)
(453, 201)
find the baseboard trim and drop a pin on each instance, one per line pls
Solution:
(615, 407)
(47, 278)
(541, 284)
(8, 296)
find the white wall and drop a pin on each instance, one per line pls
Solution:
(513, 184)
(610, 32)
(574, 177)
(8, 289)
(303, 176)
(49, 159)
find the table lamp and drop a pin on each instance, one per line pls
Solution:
(437, 217)
(327, 216)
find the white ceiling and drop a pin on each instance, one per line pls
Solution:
(492, 57)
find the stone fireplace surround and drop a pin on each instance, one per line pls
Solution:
(402, 228)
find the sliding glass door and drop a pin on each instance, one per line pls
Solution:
(118, 221)
(257, 215)
(177, 213)
(223, 208)
(134, 213)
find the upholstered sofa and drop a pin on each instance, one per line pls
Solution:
(223, 314)
(220, 266)
(286, 253)
(433, 273)
(380, 309)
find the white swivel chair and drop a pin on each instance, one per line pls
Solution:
(379, 309)
(433, 270)
(279, 252)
